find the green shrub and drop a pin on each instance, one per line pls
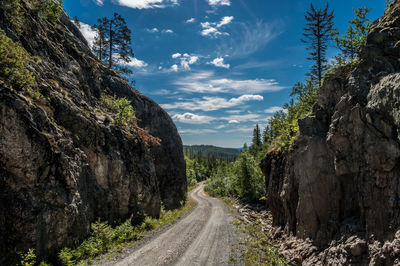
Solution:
(104, 238)
(258, 248)
(120, 107)
(13, 13)
(50, 10)
(242, 178)
(13, 61)
(28, 258)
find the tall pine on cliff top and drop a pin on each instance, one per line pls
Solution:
(317, 35)
(113, 43)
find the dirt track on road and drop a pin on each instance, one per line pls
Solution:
(204, 237)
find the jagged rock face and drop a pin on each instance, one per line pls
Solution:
(342, 176)
(63, 165)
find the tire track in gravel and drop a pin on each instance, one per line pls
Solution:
(204, 237)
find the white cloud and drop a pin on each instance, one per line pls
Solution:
(190, 20)
(219, 62)
(185, 61)
(273, 109)
(207, 103)
(88, 32)
(197, 131)
(193, 59)
(220, 126)
(143, 4)
(168, 31)
(190, 118)
(174, 68)
(233, 121)
(245, 118)
(211, 28)
(99, 2)
(204, 81)
(153, 30)
(241, 129)
(134, 62)
(233, 111)
(225, 21)
(219, 2)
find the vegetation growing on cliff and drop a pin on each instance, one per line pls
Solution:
(14, 60)
(120, 107)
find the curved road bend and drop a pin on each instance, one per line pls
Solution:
(204, 237)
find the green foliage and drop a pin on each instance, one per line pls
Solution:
(13, 61)
(242, 178)
(256, 144)
(50, 10)
(190, 173)
(28, 258)
(215, 152)
(350, 43)
(120, 107)
(248, 180)
(283, 126)
(13, 13)
(258, 248)
(104, 238)
(113, 43)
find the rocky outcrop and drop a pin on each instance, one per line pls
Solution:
(63, 164)
(341, 178)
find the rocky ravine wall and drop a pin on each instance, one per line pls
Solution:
(62, 164)
(342, 177)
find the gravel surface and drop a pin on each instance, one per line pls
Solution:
(204, 237)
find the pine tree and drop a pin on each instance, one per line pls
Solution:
(100, 42)
(113, 43)
(350, 43)
(317, 34)
(256, 142)
(267, 136)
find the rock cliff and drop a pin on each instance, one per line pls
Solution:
(339, 185)
(63, 164)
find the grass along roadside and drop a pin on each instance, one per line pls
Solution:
(257, 247)
(105, 239)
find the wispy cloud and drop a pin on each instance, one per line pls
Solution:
(205, 81)
(153, 30)
(197, 131)
(219, 62)
(207, 103)
(134, 62)
(99, 2)
(190, 20)
(190, 118)
(250, 38)
(211, 29)
(168, 31)
(144, 4)
(219, 2)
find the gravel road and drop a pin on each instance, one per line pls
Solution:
(204, 237)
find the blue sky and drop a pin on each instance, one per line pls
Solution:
(217, 67)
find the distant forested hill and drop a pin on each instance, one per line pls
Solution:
(217, 152)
